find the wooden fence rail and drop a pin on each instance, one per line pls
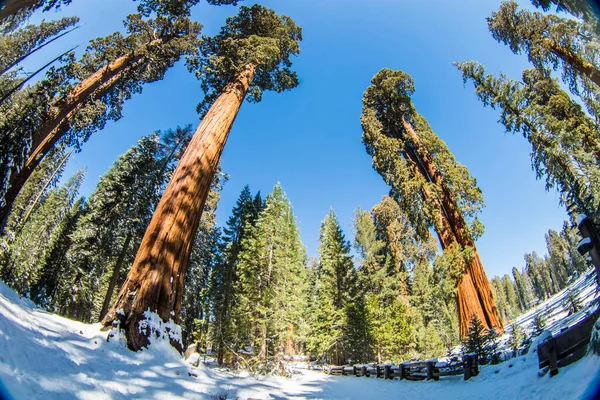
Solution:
(567, 346)
(413, 371)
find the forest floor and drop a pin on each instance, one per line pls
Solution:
(46, 356)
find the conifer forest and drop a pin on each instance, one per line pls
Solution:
(373, 205)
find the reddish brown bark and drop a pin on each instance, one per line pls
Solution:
(56, 123)
(474, 295)
(155, 281)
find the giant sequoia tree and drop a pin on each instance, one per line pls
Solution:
(432, 188)
(251, 54)
(93, 90)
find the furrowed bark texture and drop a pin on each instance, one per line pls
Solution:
(155, 281)
(474, 294)
(56, 123)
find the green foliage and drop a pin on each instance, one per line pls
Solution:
(31, 242)
(538, 324)
(255, 37)
(554, 43)
(224, 276)
(20, 44)
(333, 292)
(573, 302)
(271, 287)
(516, 338)
(385, 104)
(563, 138)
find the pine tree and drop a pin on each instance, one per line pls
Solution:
(516, 338)
(333, 292)
(12, 12)
(512, 300)
(476, 340)
(500, 297)
(271, 290)
(78, 98)
(54, 267)
(524, 290)
(552, 42)
(563, 139)
(250, 54)
(538, 324)
(224, 274)
(31, 242)
(432, 188)
(537, 269)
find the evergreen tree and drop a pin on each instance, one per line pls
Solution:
(31, 243)
(537, 269)
(516, 338)
(523, 289)
(476, 340)
(512, 300)
(223, 279)
(584, 9)
(552, 42)
(538, 324)
(13, 12)
(500, 297)
(54, 266)
(564, 140)
(250, 54)
(432, 188)
(272, 282)
(334, 279)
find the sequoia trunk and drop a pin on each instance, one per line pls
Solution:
(474, 295)
(13, 7)
(155, 282)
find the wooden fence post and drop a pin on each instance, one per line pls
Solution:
(430, 370)
(402, 371)
(365, 371)
(387, 369)
(552, 356)
(377, 371)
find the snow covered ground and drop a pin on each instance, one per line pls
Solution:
(46, 356)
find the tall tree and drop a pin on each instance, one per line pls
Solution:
(272, 281)
(117, 214)
(89, 92)
(552, 42)
(563, 139)
(31, 244)
(250, 54)
(334, 280)
(523, 289)
(224, 274)
(432, 188)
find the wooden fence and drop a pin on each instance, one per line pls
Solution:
(414, 371)
(567, 346)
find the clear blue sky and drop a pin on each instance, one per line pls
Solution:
(309, 139)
